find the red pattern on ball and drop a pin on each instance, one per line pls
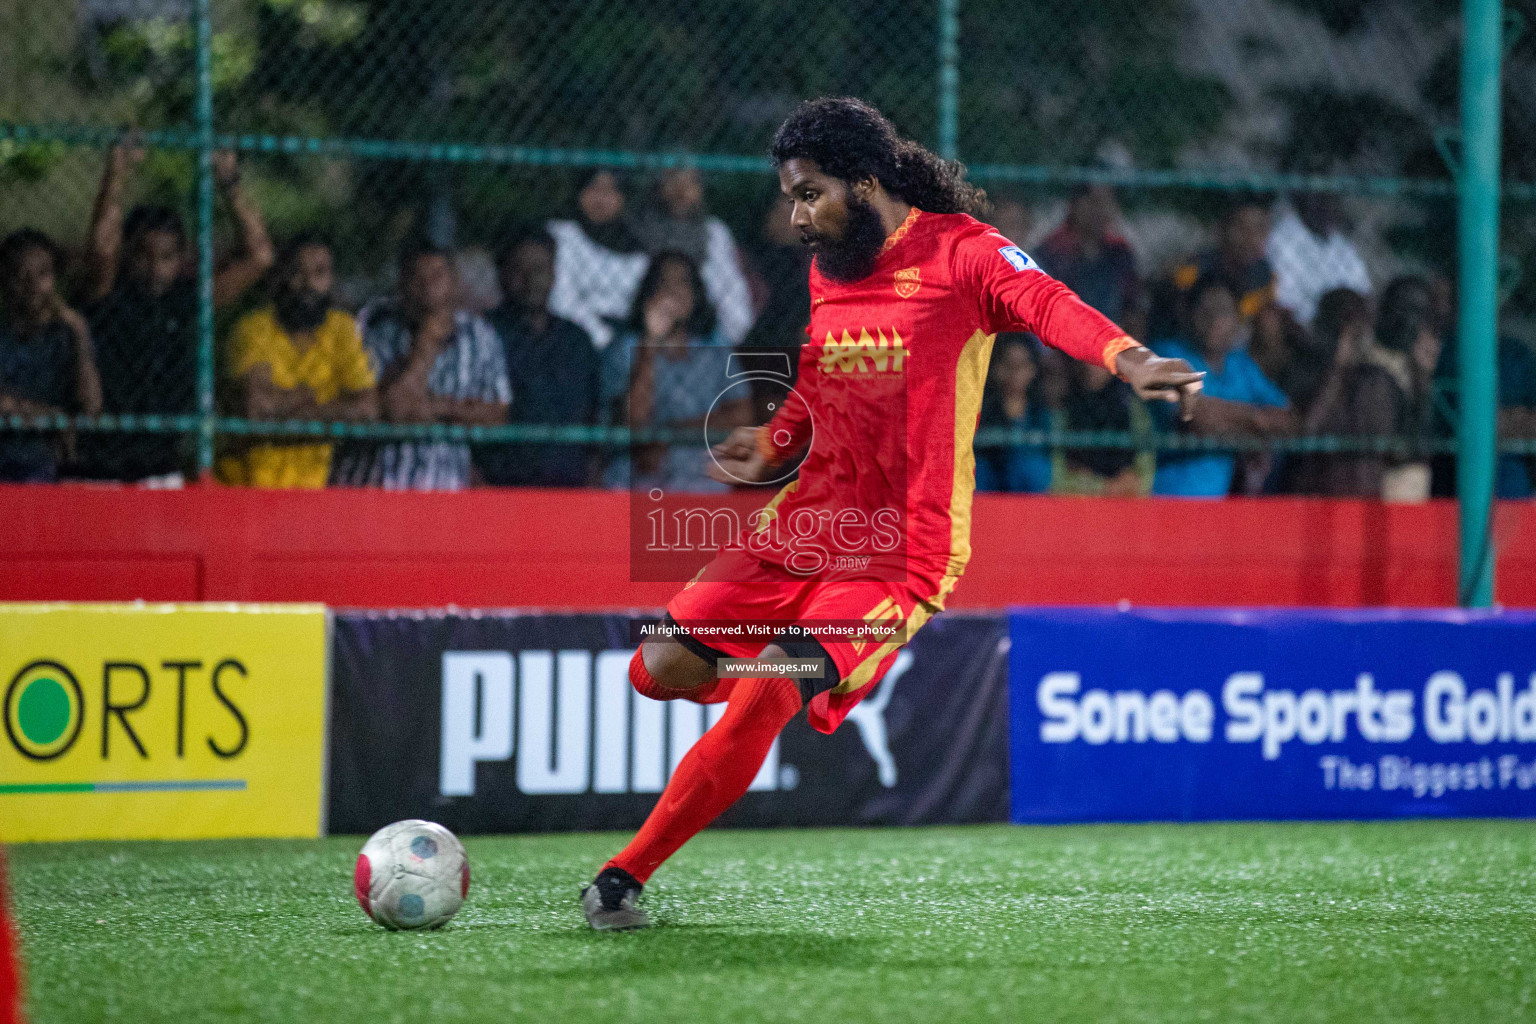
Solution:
(464, 881)
(362, 879)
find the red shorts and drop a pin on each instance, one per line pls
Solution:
(738, 589)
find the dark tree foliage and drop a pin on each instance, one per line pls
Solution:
(1049, 83)
(1363, 132)
(574, 73)
(666, 75)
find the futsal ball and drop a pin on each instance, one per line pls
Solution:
(412, 874)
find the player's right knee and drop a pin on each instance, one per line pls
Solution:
(667, 665)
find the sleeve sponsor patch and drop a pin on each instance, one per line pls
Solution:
(1018, 258)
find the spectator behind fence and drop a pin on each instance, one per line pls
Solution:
(1012, 217)
(1311, 254)
(1318, 383)
(1089, 256)
(1238, 259)
(1517, 415)
(678, 222)
(435, 364)
(667, 371)
(47, 366)
(143, 313)
(1237, 399)
(1012, 400)
(598, 260)
(1388, 392)
(781, 263)
(1097, 400)
(299, 358)
(1515, 475)
(552, 368)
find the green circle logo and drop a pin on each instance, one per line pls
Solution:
(44, 709)
(43, 712)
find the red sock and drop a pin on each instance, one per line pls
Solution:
(714, 774)
(716, 691)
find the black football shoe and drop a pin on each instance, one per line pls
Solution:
(609, 902)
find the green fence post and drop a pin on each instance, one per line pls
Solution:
(1477, 325)
(203, 32)
(949, 79)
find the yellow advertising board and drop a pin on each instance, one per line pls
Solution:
(160, 721)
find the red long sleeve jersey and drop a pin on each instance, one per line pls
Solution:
(891, 381)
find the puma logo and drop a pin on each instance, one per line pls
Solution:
(869, 715)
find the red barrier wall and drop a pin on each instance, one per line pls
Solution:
(569, 549)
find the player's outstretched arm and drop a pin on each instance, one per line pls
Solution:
(1157, 378)
(1015, 294)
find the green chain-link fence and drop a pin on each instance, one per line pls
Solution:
(378, 123)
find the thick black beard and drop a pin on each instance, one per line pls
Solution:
(853, 257)
(301, 312)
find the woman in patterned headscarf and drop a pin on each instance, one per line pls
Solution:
(598, 260)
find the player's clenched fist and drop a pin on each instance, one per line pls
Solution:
(738, 460)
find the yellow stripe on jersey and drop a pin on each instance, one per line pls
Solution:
(769, 512)
(970, 380)
(886, 609)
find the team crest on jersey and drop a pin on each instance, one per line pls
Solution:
(908, 282)
(1017, 258)
(866, 353)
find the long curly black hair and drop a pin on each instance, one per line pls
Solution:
(851, 140)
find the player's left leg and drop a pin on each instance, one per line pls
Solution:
(720, 767)
(711, 777)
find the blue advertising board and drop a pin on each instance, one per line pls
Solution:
(1186, 715)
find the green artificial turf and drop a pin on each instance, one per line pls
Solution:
(1405, 921)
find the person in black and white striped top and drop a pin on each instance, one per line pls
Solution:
(435, 363)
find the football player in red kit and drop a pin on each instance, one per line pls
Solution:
(10, 969)
(908, 291)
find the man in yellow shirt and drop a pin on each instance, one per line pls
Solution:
(298, 359)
